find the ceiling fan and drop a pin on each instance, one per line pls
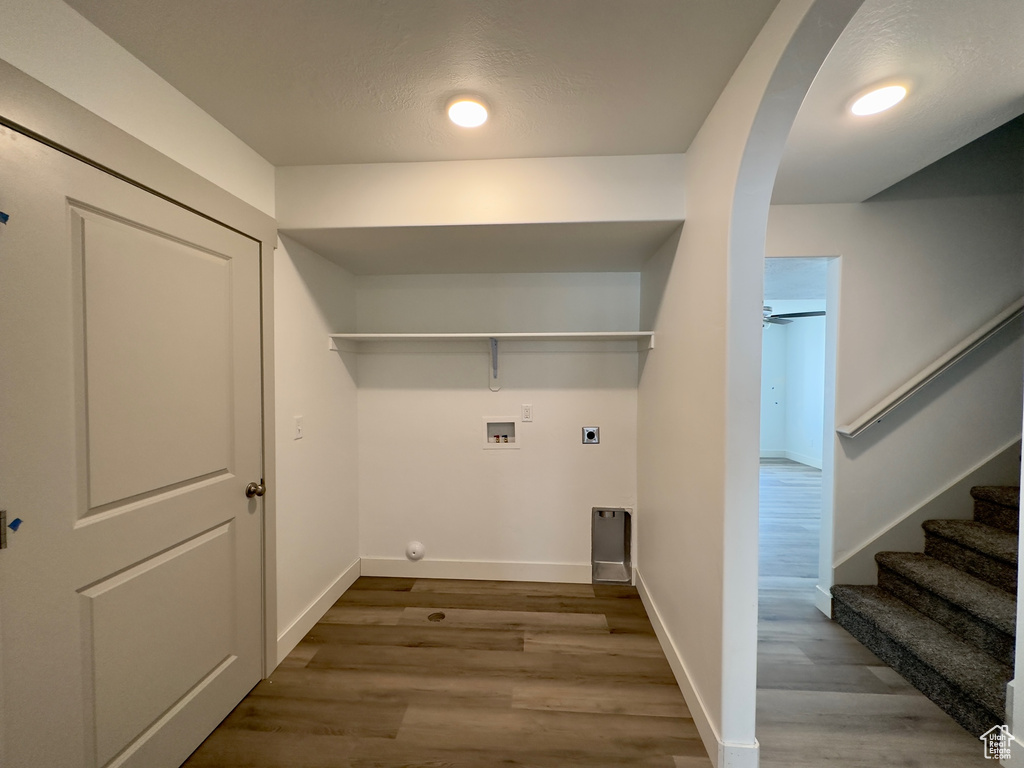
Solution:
(786, 318)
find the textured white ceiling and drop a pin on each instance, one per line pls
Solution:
(363, 81)
(787, 279)
(312, 82)
(963, 63)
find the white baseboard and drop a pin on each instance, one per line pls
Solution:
(823, 600)
(712, 743)
(298, 629)
(799, 458)
(739, 755)
(568, 573)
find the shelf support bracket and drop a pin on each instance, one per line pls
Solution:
(493, 383)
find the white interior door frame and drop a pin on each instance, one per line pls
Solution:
(829, 442)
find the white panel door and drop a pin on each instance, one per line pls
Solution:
(130, 426)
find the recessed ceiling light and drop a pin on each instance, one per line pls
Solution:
(879, 100)
(469, 113)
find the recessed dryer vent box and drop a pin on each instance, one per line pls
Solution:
(611, 544)
(500, 434)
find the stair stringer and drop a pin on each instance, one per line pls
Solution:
(905, 533)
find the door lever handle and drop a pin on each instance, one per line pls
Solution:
(255, 489)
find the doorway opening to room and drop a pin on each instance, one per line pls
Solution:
(797, 407)
(799, 647)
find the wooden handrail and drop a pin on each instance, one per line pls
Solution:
(882, 408)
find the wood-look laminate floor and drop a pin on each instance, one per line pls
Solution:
(515, 674)
(823, 698)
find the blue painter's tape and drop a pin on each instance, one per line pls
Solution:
(15, 524)
(4, 218)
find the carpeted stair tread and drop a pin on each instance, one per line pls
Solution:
(988, 603)
(976, 611)
(931, 657)
(1004, 495)
(998, 506)
(991, 542)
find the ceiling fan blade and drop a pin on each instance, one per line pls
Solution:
(777, 320)
(802, 314)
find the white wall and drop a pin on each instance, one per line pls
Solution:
(424, 472)
(317, 492)
(49, 41)
(917, 277)
(588, 301)
(513, 191)
(698, 407)
(773, 391)
(805, 388)
(1014, 708)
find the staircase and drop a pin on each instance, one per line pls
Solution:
(945, 619)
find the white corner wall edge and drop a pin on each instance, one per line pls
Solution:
(316, 610)
(51, 42)
(722, 755)
(568, 573)
(823, 600)
(1011, 721)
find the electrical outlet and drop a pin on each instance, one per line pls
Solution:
(298, 428)
(527, 413)
(591, 435)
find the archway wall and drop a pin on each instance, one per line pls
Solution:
(699, 391)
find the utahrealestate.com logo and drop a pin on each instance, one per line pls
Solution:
(997, 742)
